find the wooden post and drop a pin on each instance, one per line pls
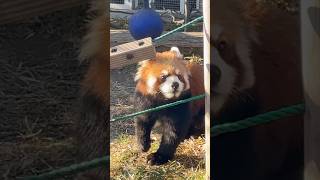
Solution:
(186, 13)
(310, 36)
(206, 55)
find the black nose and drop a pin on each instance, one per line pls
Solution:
(216, 75)
(175, 85)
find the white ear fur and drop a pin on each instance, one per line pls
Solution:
(177, 51)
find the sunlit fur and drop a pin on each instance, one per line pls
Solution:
(260, 68)
(92, 129)
(155, 79)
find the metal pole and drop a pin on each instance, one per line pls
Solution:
(310, 38)
(206, 56)
(186, 13)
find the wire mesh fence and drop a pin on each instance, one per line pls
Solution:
(117, 1)
(174, 5)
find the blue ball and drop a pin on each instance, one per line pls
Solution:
(145, 23)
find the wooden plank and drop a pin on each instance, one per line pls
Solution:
(132, 52)
(18, 10)
(181, 39)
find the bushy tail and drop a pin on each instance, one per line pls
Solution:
(92, 124)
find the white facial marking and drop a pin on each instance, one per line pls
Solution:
(243, 51)
(168, 91)
(226, 83)
(164, 72)
(141, 65)
(186, 80)
(150, 83)
(228, 74)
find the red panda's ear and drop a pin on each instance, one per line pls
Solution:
(177, 51)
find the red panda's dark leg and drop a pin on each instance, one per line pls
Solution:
(144, 124)
(174, 131)
(197, 127)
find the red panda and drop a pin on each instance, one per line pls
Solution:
(92, 130)
(256, 68)
(165, 79)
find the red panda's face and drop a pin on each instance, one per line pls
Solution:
(166, 75)
(232, 67)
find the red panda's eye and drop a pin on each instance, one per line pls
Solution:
(222, 45)
(163, 77)
(180, 77)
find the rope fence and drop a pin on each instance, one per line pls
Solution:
(158, 108)
(257, 120)
(215, 130)
(73, 169)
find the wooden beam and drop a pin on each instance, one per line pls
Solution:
(181, 39)
(132, 52)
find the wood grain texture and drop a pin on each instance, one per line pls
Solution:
(132, 52)
(181, 39)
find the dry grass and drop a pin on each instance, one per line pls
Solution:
(128, 163)
(39, 84)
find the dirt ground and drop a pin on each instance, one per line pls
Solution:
(39, 84)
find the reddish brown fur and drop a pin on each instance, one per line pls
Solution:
(282, 87)
(169, 61)
(196, 85)
(278, 146)
(97, 77)
(92, 129)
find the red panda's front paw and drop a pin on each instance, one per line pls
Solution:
(157, 159)
(144, 145)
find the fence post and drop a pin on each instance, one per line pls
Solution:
(206, 56)
(310, 38)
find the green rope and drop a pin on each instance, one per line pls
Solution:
(179, 28)
(75, 168)
(215, 131)
(158, 108)
(256, 120)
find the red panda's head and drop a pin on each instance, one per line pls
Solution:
(232, 66)
(166, 76)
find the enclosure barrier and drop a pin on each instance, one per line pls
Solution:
(215, 130)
